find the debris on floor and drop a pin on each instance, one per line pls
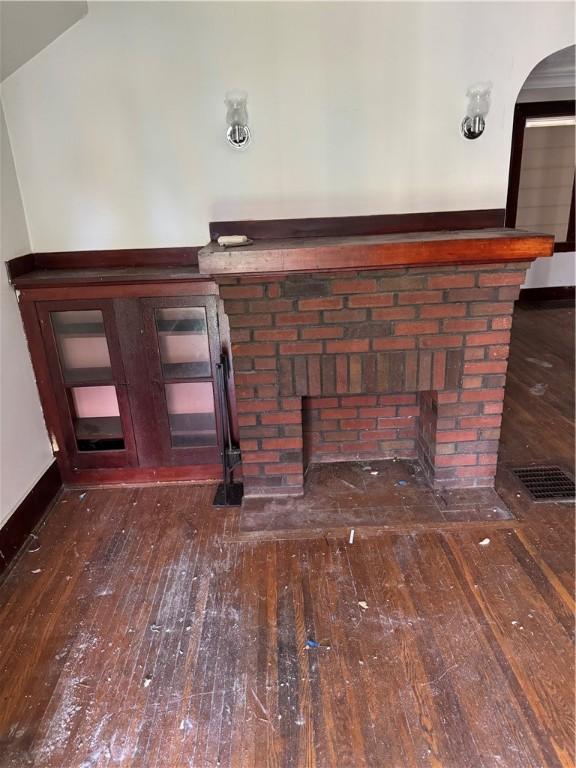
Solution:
(536, 361)
(538, 389)
(351, 539)
(402, 482)
(363, 604)
(147, 681)
(484, 542)
(313, 644)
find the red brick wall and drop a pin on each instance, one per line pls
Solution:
(439, 333)
(352, 427)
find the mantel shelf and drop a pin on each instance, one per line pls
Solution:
(321, 254)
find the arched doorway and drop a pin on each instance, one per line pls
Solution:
(541, 180)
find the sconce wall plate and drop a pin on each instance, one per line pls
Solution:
(473, 127)
(238, 136)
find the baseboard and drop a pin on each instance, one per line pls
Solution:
(560, 294)
(19, 526)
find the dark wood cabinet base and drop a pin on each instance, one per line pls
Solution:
(142, 475)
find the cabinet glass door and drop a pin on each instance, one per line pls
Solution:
(84, 358)
(183, 342)
(182, 359)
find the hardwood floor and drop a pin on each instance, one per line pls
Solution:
(138, 629)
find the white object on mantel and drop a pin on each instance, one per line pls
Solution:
(228, 240)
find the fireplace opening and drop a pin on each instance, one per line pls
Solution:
(360, 427)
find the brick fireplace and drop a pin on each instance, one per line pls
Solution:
(374, 363)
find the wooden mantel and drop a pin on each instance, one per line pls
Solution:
(319, 254)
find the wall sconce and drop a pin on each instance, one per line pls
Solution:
(238, 133)
(473, 125)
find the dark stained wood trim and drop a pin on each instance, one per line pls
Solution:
(518, 126)
(21, 265)
(128, 276)
(380, 252)
(203, 287)
(123, 258)
(566, 247)
(561, 294)
(570, 235)
(142, 475)
(350, 226)
(27, 515)
(522, 112)
(33, 332)
(119, 257)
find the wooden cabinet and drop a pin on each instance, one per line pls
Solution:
(126, 374)
(181, 353)
(85, 366)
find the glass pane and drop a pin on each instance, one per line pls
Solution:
(82, 345)
(183, 342)
(191, 414)
(546, 178)
(96, 418)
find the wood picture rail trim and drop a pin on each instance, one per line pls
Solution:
(294, 255)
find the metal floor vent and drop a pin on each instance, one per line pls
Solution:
(546, 483)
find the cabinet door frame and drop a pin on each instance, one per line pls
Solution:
(168, 454)
(123, 457)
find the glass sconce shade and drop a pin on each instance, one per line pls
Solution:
(473, 125)
(238, 133)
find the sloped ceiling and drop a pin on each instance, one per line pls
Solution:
(28, 27)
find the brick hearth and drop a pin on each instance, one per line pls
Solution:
(371, 364)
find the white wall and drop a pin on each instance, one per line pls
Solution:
(547, 273)
(24, 447)
(118, 126)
